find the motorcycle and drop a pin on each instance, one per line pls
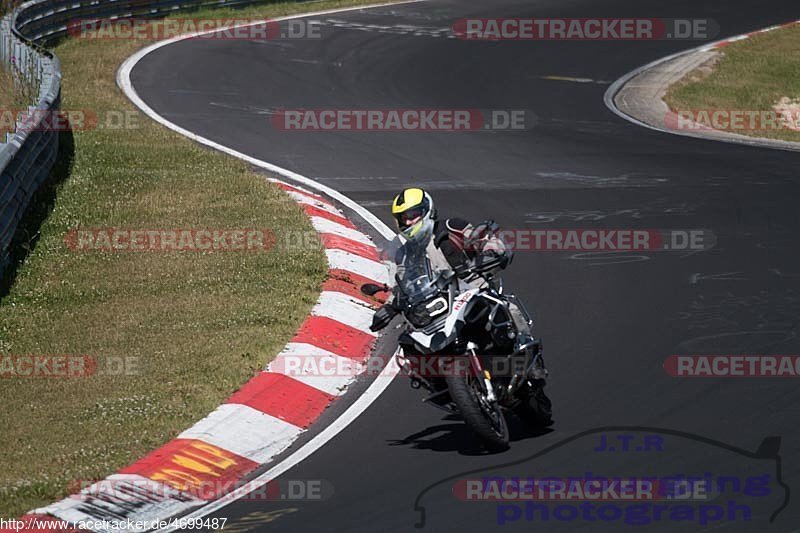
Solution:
(470, 348)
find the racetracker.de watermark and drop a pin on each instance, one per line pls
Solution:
(584, 29)
(47, 524)
(733, 120)
(170, 240)
(598, 240)
(12, 120)
(404, 120)
(423, 366)
(201, 28)
(550, 489)
(633, 500)
(67, 366)
(733, 366)
(129, 490)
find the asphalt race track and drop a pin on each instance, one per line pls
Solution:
(608, 321)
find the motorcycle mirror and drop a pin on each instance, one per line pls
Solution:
(371, 289)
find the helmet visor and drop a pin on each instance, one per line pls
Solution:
(409, 217)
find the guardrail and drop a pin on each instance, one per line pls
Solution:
(28, 154)
(44, 21)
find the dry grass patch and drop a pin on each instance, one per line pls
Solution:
(752, 75)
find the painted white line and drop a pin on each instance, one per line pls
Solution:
(124, 83)
(575, 80)
(739, 38)
(340, 259)
(245, 431)
(318, 368)
(375, 389)
(345, 309)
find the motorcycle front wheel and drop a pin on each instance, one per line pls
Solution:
(485, 419)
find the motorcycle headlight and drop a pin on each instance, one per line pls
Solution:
(423, 314)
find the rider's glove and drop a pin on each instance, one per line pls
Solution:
(490, 260)
(382, 317)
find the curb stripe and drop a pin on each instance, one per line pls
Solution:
(245, 431)
(726, 42)
(193, 466)
(323, 225)
(111, 497)
(345, 280)
(333, 336)
(283, 397)
(333, 241)
(316, 211)
(298, 353)
(366, 268)
(338, 285)
(296, 189)
(307, 200)
(345, 309)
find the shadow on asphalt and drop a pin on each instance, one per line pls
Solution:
(457, 437)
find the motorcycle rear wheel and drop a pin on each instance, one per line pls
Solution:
(485, 420)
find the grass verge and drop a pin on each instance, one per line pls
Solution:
(752, 75)
(190, 327)
(16, 94)
(7, 92)
(10, 97)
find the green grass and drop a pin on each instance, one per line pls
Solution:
(753, 74)
(199, 325)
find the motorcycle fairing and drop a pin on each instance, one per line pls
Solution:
(449, 329)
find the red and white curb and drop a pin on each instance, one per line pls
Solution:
(698, 130)
(266, 415)
(726, 42)
(273, 409)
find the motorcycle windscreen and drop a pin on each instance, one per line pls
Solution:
(415, 276)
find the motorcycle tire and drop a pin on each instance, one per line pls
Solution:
(492, 434)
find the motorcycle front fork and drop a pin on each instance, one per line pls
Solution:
(481, 375)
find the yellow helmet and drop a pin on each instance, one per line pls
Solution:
(414, 213)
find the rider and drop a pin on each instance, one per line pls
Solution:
(451, 244)
(432, 245)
